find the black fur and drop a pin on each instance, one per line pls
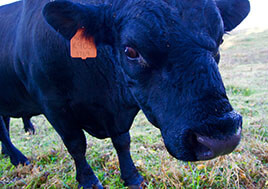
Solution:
(175, 80)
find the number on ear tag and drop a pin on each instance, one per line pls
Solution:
(82, 47)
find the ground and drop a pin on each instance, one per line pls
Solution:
(244, 68)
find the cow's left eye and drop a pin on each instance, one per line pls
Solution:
(131, 53)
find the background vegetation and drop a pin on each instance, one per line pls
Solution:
(244, 68)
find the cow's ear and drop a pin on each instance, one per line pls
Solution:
(233, 12)
(67, 17)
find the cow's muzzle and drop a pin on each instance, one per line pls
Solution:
(209, 148)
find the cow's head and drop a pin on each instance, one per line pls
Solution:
(167, 51)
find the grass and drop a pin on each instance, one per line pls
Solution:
(244, 68)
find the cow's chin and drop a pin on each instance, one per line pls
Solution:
(183, 155)
(178, 149)
(188, 150)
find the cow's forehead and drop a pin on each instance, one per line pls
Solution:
(202, 16)
(188, 3)
(196, 14)
(161, 19)
(164, 10)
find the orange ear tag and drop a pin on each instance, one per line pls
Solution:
(82, 47)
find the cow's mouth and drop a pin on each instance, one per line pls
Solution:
(206, 148)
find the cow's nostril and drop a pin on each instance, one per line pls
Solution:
(208, 148)
(202, 151)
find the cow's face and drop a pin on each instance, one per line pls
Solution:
(168, 54)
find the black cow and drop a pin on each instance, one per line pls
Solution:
(154, 55)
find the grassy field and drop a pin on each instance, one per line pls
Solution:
(244, 68)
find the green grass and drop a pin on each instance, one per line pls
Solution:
(244, 68)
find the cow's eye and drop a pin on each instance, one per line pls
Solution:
(135, 57)
(131, 53)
